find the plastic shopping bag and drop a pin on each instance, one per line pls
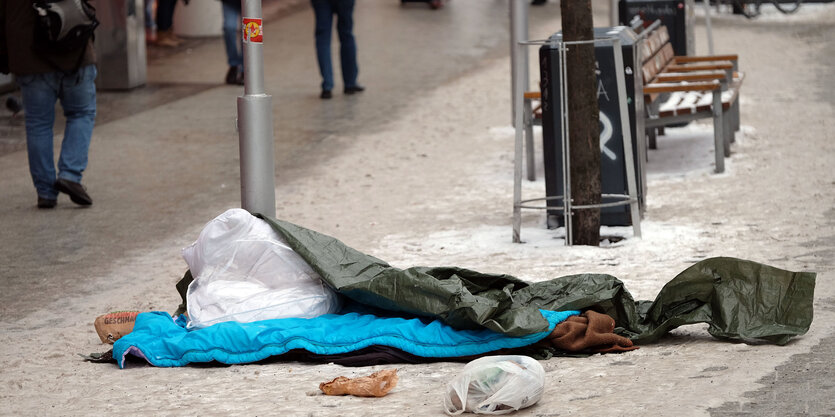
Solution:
(495, 385)
(243, 271)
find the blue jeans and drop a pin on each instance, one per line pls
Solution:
(324, 11)
(232, 34)
(149, 15)
(77, 92)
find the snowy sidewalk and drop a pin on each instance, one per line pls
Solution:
(432, 186)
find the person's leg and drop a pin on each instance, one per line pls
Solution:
(347, 44)
(232, 34)
(149, 15)
(165, 20)
(39, 95)
(150, 22)
(165, 14)
(324, 21)
(78, 99)
(232, 42)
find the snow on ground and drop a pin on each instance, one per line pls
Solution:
(433, 187)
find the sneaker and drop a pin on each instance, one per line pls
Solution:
(46, 203)
(77, 192)
(354, 89)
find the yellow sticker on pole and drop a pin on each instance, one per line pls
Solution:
(252, 30)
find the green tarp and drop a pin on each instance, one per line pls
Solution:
(739, 299)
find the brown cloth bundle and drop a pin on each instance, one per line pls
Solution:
(377, 384)
(588, 332)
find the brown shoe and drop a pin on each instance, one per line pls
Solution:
(77, 192)
(166, 38)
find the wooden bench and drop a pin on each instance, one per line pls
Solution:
(676, 89)
(679, 89)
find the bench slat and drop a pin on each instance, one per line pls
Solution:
(688, 68)
(664, 34)
(671, 104)
(705, 58)
(690, 76)
(703, 103)
(669, 88)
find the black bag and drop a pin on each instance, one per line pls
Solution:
(63, 25)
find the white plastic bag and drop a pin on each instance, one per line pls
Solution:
(495, 385)
(243, 271)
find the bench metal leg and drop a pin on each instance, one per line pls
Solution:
(529, 151)
(651, 138)
(735, 116)
(727, 133)
(718, 128)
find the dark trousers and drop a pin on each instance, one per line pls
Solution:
(165, 14)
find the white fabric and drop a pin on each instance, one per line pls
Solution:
(244, 271)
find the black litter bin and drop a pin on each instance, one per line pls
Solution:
(612, 161)
(676, 15)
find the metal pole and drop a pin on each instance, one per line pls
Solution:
(708, 27)
(255, 119)
(628, 158)
(566, 147)
(518, 87)
(613, 14)
(518, 33)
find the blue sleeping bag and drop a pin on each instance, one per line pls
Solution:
(165, 342)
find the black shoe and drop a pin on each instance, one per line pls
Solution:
(235, 76)
(77, 192)
(14, 105)
(326, 94)
(46, 203)
(355, 89)
(538, 2)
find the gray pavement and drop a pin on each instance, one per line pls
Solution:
(389, 178)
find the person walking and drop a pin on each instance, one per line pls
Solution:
(232, 40)
(44, 78)
(344, 10)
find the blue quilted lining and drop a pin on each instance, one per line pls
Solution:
(165, 342)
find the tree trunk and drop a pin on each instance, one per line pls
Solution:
(583, 120)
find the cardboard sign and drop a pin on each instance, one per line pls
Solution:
(252, 30)
(113, 326)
